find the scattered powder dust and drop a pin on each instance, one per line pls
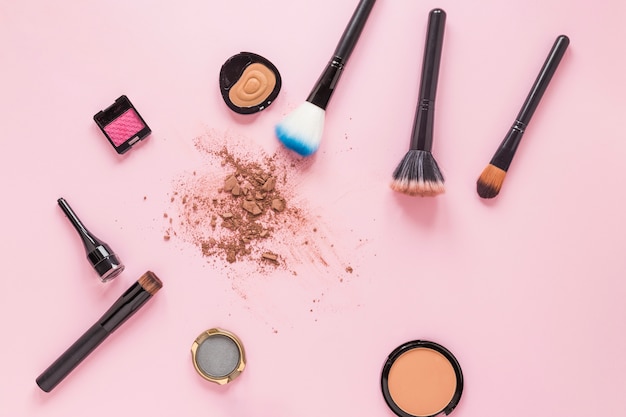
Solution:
(243, 207)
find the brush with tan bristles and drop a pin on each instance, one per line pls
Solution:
(418, 172)
(490, 181)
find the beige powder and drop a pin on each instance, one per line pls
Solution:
(255, 84)
(422, 382)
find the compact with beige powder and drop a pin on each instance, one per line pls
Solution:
(421, 379)
(249, 83)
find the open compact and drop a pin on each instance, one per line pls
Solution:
(122, 124)
(218, 356)
(249, 83)
(421, 379)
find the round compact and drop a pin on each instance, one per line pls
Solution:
(218, 356)
(249, 83)
(421, 379)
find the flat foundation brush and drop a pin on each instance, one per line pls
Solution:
(490, 181)
(121, 310)
(301, 130)
(418, 172)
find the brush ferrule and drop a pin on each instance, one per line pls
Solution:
(422, 136)
(124, 307)
(504, 155)
(325, 86)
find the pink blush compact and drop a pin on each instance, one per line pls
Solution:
(122, 125)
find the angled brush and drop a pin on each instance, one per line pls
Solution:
(490, 181)
(301, 130)
(418, 172)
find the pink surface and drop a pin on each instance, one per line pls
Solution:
(527, 290)
(124, 127)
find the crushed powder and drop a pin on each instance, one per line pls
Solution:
(245, 209)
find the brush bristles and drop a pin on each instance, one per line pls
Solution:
(301, 130)
(490, 181)
(150, 282)
(418, 174)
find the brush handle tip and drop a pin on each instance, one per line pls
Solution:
(563, 39)
(438, 11)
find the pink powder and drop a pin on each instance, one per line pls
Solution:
(124, 127)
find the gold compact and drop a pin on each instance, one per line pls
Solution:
(249, 83)
(218, 356)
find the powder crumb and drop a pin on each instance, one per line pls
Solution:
(278, 204)
(270, 256)
(349, 269)
(230, 183)
(269, 184)
(251, 207)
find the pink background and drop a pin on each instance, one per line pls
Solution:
(527, 290)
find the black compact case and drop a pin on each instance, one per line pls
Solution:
(231, 72)
(122, 124)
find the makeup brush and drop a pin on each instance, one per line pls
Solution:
(301, 130)
(418, 172)
(99, 254)
(490, 181)
(125, 306)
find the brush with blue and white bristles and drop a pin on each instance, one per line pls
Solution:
(301, 130)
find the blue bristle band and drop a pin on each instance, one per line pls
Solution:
(295, 144)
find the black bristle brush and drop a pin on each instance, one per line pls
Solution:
(418, 172)
(490, 181)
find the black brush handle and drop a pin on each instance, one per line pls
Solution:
(422, 136)
(325, 85)
(353, 30)
(121, 310)
(72, 357)
(505, 152)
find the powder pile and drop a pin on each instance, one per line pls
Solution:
(240, 211)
